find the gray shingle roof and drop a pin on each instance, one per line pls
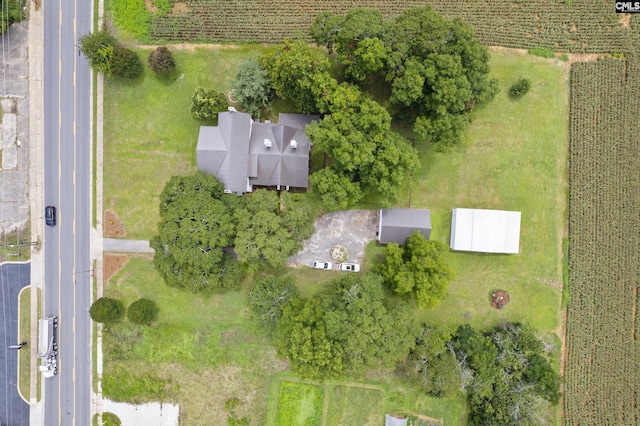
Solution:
(236, 153)
(394, 421)
(396, 225)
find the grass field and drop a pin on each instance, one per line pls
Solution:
(515, 159)
(150, 135)
(24, 301)
(354, 405)
(299, 404)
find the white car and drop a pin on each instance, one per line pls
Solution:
(322, 265)
(349, 267)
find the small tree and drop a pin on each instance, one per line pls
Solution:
(142, 311)
(106, 310)
(206, 103)
(98, 47)
(125, 63)
(520, 88)
(161, 61)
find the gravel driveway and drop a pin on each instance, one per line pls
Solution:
(351, 228)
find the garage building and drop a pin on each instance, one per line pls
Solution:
(486, 231)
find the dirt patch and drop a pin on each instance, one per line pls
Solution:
(112, 263)
(190, 47)
(113, 227)
(499, 299)
(625, 20)
(150, 6)
(180, 6)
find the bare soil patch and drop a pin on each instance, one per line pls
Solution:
(150, 6)
(499, 299)
(180, 6)
(113, 227)
(625, 20)
(112, 263)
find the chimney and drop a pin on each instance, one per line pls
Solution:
(294, 144)
(232, 109)
(267, 144)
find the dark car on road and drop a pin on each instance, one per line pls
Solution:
(50, 215)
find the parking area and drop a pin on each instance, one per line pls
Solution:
(352, 229)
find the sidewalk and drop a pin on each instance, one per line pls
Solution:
(126, 246)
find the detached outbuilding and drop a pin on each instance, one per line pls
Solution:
(486, 231)
(395, 421)
(396, 225)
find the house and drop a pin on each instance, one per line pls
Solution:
(487, 231)
(394, 421)
(396, 225)
(243, 153)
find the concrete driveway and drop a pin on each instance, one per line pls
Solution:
(351, 228)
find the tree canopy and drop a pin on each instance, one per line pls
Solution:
(142, 311)
(12, 11)
(252, 88)
(420, 267)
(161, 61)
(267, 298)
(343, 330)
(98, 47)
(207, 103)
(367, 157)
(291, 69)
(125, 63)
(197, 220)
(106, 310)
(506, 374)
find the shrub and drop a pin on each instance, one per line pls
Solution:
(520, 88)
(110, 419)
(125, 63)
(206, 103)
(98, 47)
(142, 311)
(564, 57)
(161, 61)
(106, 310)
(542, 52)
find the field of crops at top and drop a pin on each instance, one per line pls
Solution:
(575, 26)
(603, 333)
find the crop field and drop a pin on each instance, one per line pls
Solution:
(572, 25)
(602, 375)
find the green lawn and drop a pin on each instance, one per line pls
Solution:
(24, 301)
(515, 159)
(149, 134)
(355, 405)
(299, 404)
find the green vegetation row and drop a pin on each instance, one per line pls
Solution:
(573, 26)
(602, 376)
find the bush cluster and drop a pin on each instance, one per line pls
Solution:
(520, 88)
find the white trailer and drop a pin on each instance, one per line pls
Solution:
(48, 345)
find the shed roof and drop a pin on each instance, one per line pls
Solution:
(487, 231)
(396, 225)
(394, 421)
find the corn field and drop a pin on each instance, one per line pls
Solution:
(603, 350)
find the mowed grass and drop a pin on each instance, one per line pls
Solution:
(24, 301)
(515, 159)
(355, 405)
(149, 133)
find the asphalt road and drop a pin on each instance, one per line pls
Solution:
(67, 186)
(13, 410)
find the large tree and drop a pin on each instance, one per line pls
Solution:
(437, 68)
(252, 88)
(344, 329)
(291, 69)
(420, 267)
(197, 220)
(508, 375)
(267, 298)
(367, 157)
(98, 47)
(267, 234)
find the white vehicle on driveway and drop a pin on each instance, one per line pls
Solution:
(349, 267)
(322, 265)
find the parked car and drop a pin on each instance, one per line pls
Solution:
(349, 267)
(50, 215)
(322, 265)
